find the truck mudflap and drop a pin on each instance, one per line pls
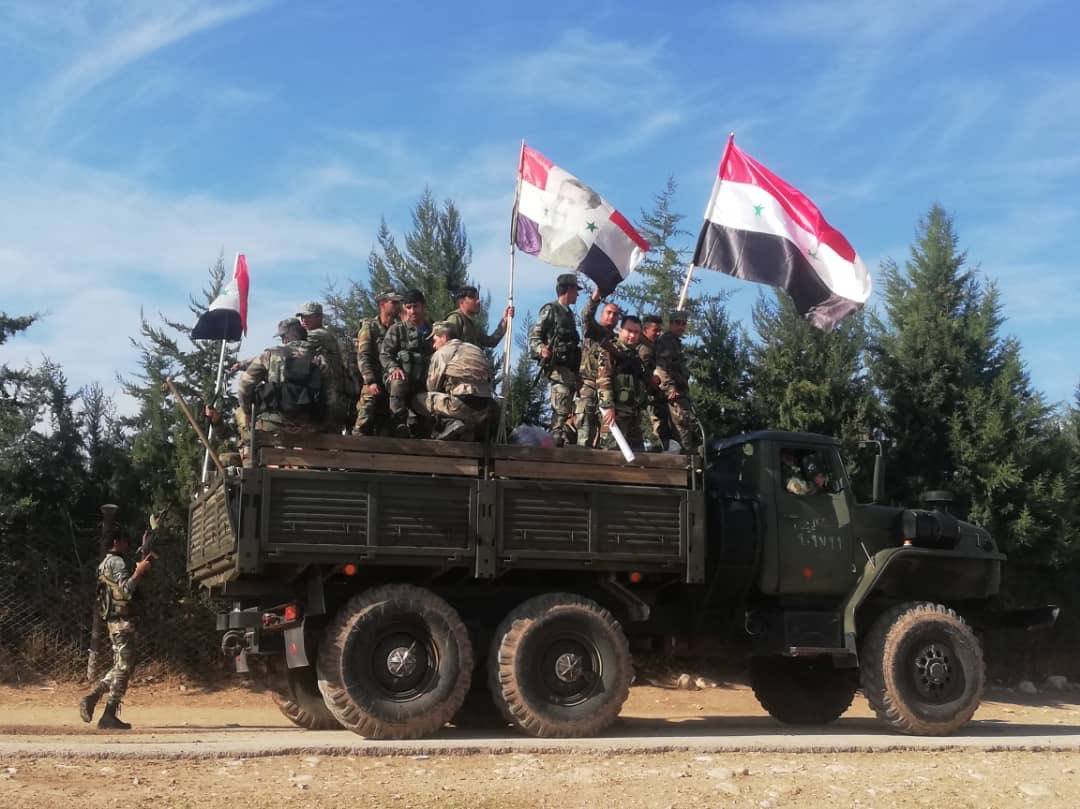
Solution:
(1029, 618)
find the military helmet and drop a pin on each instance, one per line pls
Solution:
(387, 295)
(568, 279)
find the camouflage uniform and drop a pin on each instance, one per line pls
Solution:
(555, 327)
(470, 332)
(459, 389)
(335, 383)
(655, 414)
(620, 382)
(372, 411)
(408, 349)
(674, 376)
(586, 416)
(261, 371)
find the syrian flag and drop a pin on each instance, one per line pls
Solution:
(562, 221)
(226, 319)
(759, 228)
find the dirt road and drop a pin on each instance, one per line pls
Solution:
(196, 747)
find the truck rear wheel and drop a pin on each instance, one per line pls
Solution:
(802, 691)
(395, 663)
(922, 669)
(302, 703)
(560, 666)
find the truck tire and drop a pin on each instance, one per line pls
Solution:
(302, 703)
(395, 663)
(560, 666)
(802, 691)
(922, 669)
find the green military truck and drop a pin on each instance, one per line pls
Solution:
(401, 585)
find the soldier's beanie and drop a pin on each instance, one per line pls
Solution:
(387, 295)
(288, 326)
(413, 296)
(568, 279)
(679, 315)
(310, 308)
(466, 292)
(445, 327)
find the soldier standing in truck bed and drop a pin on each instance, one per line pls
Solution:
(406, 352)
(373, 408)
(623, 390)
(555, 344)
(598, 336)
(467, 299)
(656, 410)
(335, 384)
(674, 376)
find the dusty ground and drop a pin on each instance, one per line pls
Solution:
(509, 781)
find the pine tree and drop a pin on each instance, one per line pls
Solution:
(720, 367)
(527, 401)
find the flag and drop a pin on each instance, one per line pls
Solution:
(226, 319)
(759, 228)
(562, 221)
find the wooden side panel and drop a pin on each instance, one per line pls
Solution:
(590, 473)
(367, 461)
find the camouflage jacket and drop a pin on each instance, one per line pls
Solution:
(336, 385)
(407, 349)
(114, 576)
(460, 369)
(470, 332)
(620, 379)
(671, 365)
(368, 345)
(258, 372)
(555, 327)
(596, 337)
(646, 349)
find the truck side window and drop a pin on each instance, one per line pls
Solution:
(807, 472)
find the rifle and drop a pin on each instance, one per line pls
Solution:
(545, 365)
(146, 548)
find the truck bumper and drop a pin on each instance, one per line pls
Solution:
(1029, 618)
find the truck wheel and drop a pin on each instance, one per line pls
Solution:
(922, 669)
(560, 666)
(395, 663)
(802, 691)
(302, 702)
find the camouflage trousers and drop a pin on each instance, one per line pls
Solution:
(587, 416)
(629, 422)
(684, 424)
(408, 416)
(372, 413)
(474, 415)
(122, 638)
(657, 414)
(562, 404)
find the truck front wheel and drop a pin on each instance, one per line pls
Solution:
(395, 663)
(560, 666)
(922, 669)
(802, 691)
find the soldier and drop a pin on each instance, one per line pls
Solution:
(337, 383)
(116, 586)
(555, 344)
(622, 389)
(458, 386)
(286, 384)
(656, 409)
(468, 306)
(372, 411)
(674, 381)
(405, 354)
(598, 337)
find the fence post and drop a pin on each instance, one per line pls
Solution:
(97, 628)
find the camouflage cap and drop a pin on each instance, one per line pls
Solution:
(568, 279)
(288, 325)
(310, 308)
(413, 296)
(680, 315)
(387, 295)
(445, 327)
(466, 292)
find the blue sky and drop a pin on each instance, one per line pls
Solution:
(139, 139)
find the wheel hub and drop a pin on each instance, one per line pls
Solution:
(933, 670)
(402, 661)
(568, 667)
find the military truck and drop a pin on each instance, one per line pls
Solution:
(404, 584)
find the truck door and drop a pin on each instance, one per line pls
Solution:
(815, 536)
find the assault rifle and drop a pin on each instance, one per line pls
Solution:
(146, 547)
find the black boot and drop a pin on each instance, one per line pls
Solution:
(110, 721)
(88, 703)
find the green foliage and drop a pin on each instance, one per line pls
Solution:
(527, 401)
(720, 366)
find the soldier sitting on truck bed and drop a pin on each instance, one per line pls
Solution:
(406, 352)
(285, 385)
(373, 409)
(467, 299)
(459, 387)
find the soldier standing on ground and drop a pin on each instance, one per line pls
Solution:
(598, 336)
(554, 343)
(458, 386)
(116, 587)
(406, 352)
(467, 299)
(286, 384)
(622, 389)
(336, 382)
(674, 376)
(373, 409)
(656, 410)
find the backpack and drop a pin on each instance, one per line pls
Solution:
(293, 385)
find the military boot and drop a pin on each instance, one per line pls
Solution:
(89, 702)
(110, 721)
(453, 430)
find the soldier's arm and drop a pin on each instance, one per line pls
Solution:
(493, 339)
(540, 333)
(389, 353)
(253, 375)
(115, 570)
(666, 359)
(436, 371)
(589, 327)
(366, 354)
(605, 381)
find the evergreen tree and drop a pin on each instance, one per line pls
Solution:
(720, 367)
(527, 400)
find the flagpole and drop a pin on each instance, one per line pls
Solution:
(217, 389)
(500, 435)
(690, 267)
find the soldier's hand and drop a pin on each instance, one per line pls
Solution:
(545, 353)
(596, 293)
(373, 388)
(656, 380)
(212, 414)
(609, 416)
(397, 374)
(141, 566)
(671, 397)
(509, 313)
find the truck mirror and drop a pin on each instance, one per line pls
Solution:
(879, 479)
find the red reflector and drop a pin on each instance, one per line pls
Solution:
(292, 649)
(807, 573)
(291, 612)
(350, 569)
(635, 578)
